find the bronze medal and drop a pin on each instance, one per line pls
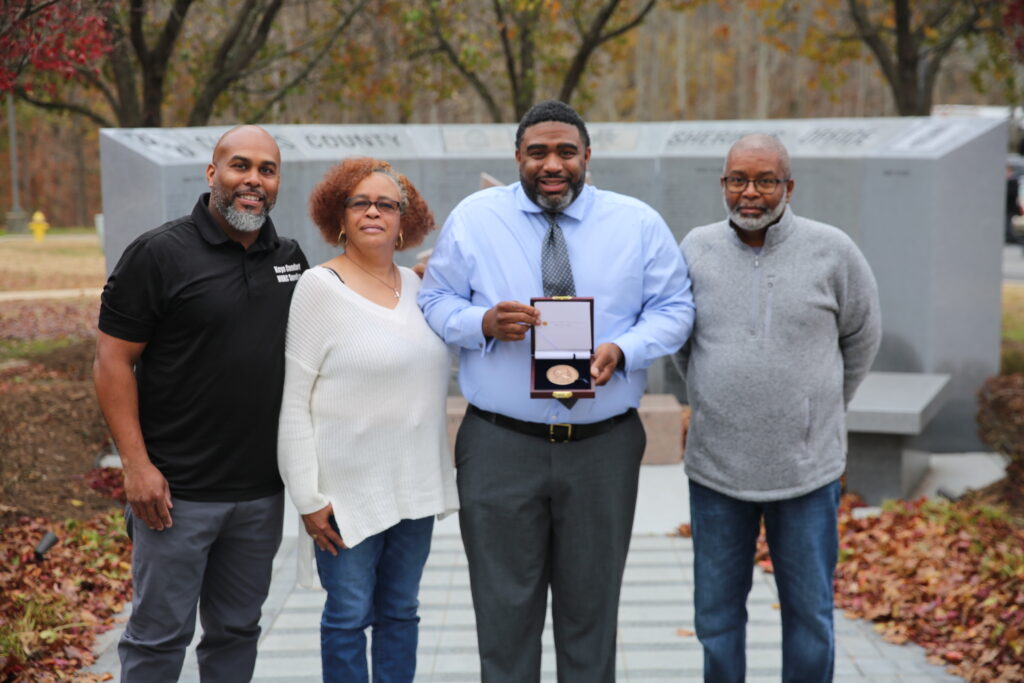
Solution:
(562, 375)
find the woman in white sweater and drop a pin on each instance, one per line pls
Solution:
(362, 445)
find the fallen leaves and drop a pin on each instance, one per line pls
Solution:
(108, 481)
(48, 319)
(947, 576)
(51, 611)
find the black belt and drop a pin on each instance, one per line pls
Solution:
(555, 433)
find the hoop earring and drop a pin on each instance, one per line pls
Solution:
(400, 242)
(342, 240)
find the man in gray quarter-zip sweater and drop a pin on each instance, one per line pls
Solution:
(787, 326)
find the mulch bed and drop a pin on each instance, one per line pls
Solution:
(51, 434)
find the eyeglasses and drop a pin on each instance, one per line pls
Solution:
(384, 205)
(735, 183)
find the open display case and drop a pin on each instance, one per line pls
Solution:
(562, 348)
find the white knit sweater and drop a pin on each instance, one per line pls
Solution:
(363, 424)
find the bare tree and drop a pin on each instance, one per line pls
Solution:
(524, 29)
(133, 82)
(911, 47)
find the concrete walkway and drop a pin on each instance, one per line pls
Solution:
(655, 616)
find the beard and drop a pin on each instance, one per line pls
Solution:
(242, 221)
(553, 204)
(758, 223)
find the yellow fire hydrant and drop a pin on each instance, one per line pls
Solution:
(38, 226)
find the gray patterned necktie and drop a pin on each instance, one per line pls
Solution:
(556, 271)
(554, 262)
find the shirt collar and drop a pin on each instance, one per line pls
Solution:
(577, 210)
(781, 230)
(213, 234)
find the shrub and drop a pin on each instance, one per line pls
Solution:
(1001, 420)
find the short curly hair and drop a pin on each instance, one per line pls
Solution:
(327, 203)
(552, 110)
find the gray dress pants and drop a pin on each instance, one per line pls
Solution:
(218, 556)
(535, 515)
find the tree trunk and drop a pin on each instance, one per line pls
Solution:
(763, 80)
(682, 109)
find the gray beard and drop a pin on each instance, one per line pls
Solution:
(242, 221)
(556, 206)
(759, 223)
(553, 205)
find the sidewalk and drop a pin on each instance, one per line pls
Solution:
(655, 613)
(51, 294)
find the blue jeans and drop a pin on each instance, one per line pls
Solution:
(375, 584)
(803, 539)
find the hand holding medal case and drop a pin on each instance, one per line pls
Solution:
(562, 348)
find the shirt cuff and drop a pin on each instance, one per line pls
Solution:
(470, 333)
(631, 346)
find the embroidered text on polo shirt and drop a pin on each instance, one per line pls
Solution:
(289, 272)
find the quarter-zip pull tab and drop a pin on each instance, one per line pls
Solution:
(757, 261)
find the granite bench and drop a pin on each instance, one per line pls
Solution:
(888, 410)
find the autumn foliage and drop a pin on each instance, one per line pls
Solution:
(947, 576)
(1001, 422)
(1013, 24)
(53, 607)
(65, 38)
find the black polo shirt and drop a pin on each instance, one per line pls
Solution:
(213, 316)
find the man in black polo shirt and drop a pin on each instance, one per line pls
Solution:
(189, 369)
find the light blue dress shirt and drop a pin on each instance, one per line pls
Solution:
(622, 254)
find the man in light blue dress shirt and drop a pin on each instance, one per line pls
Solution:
(548, 489)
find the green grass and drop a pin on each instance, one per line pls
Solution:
(1013, 312)
(11, 349)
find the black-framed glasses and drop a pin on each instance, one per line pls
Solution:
(736, 183)
(384, 205)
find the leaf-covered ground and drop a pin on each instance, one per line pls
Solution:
(948, 576)
(28, 328)
(51, 433)
(53, 607)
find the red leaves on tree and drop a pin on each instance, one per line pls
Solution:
(1013, 22)
(66, 38)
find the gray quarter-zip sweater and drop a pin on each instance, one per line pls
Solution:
(781, 340)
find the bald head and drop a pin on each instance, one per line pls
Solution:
(246, 135)
(765, 144)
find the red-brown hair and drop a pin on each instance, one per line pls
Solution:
(327, 203)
